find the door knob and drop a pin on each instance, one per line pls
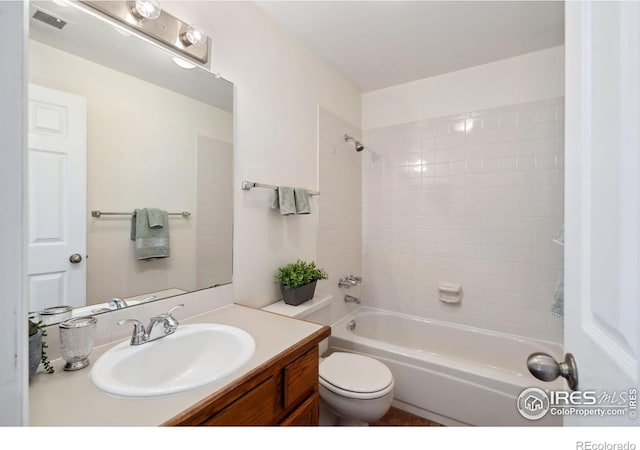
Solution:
(545, 368)
(75, 258)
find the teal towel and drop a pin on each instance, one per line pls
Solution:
(150, 232)
(302, 201)
(557, 308)
(284, 200)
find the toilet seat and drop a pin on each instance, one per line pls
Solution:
(355, 376)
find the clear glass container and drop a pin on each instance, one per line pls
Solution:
(76, 341)
(55, 314)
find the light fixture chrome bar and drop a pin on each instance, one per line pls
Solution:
(248, 185)
(98, 213)
(166, 28)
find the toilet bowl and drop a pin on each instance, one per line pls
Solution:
(356, 389)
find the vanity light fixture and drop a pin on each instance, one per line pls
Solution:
(146, 16)
(146, 9)
(182, 63)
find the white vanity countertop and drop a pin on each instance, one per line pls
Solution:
(71, 399)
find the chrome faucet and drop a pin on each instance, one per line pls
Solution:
(117, 303)
(352, 299)
(349, 282)
(159, 326)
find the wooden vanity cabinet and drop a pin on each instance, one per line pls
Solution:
(283, 391)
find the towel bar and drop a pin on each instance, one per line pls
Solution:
(98, 213)
(248, 185)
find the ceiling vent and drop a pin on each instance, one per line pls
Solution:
(49, 19)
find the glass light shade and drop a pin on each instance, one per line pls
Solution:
(146, 9)
(194, 35)
(182, 63)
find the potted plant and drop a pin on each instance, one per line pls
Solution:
(37, 348)
(298, 281)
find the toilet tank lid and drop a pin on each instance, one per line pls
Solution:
(355, 373)
(302, 310)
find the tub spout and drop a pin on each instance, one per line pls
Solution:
(352, 299)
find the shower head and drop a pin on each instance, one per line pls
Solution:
(359, 146)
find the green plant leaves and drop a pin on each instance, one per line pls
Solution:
(299, 273)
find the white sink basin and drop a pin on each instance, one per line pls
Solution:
(193, 356)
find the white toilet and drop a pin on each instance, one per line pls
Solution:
(354, 389)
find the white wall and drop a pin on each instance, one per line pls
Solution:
(340, 209)
(137, 166)
(526, 78)
(279, 84)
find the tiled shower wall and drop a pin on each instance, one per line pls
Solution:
(474, 199)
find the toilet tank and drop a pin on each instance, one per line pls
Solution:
(317, 310)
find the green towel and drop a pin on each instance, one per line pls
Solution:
(302, 201)
(284, 200)
(150, 231)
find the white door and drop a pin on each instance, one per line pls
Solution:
(602, 214)
(56, 198)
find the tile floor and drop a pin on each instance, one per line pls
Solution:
(398, 418)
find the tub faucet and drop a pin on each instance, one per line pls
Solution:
(154, 330)
(349, 282)
(352, 299)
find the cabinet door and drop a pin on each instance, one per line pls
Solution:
(305, 415)
(256, 407)
(300, 378)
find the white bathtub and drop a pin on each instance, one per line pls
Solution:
(452, 374)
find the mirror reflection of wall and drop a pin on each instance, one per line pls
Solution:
(148, 147)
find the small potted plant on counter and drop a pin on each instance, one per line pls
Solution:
(37, 349)
(298, 281)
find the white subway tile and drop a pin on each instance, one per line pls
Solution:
(547, 130)
(546, 161)
(457, 154)
(442, 156)
(457, 140)
(458, 168)
(508, 119)
(526, 162)
(443, 169)
(457, 126)
(474, 166)
(490, 122)
(546, 114)
(442, 142)
(414, 158)
(473, 125)
(527, 116)
(490, 165)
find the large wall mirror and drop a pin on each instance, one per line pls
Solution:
(117, 124)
